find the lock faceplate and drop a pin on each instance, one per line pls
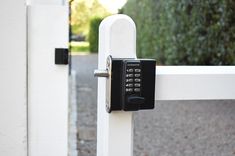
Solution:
(108, 83)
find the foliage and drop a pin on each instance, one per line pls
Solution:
(79, 46)
(82, 12)
(94, 33)
(185, 32)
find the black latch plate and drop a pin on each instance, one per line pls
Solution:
(61, 56)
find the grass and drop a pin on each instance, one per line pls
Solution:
(79, 46)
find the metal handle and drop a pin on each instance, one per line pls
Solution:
(101, 73)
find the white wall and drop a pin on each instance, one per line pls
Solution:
(13, 103)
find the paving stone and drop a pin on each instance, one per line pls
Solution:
(86, 133)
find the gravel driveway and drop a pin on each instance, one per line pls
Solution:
(174, 128)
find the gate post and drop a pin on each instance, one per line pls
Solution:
(47, 80)
(117, 37)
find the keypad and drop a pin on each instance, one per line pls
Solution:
(133, 79)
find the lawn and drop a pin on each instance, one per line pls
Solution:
(79, 46)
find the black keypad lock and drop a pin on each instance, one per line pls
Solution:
(130, 85)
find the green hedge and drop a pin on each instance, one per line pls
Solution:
(94, 34)
(188, 32)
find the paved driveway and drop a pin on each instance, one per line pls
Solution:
(174, 128)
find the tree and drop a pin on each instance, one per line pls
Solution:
(188, 32)
(94, 33)
(82, 12)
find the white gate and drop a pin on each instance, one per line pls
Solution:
(115, 130)
(13, 83)
(34, 91)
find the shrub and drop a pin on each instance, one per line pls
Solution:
(79, 46)
(94, 33)
(188, 32)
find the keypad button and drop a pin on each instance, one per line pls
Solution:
(129, 80)
(129, 75)
(129, 85)
(137, 80)
(137, 85)
(129, 70)
(137, 70)
(137, 89)
(137, 75)
(129, 89)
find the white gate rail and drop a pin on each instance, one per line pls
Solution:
(195, 82)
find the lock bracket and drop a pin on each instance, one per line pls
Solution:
(130, 83)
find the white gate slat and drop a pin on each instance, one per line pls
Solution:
(195, 83)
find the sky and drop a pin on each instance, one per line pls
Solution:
(113, 5)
